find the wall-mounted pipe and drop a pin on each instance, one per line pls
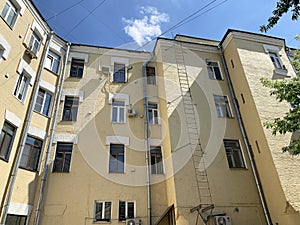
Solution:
(53, 124)
(252, 163)
(19, 152)
(146, 124)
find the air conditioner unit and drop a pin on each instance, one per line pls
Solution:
(223, 220)
(133, 221)
(32, 51)
(131, 112)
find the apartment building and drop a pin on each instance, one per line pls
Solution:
(93, 134)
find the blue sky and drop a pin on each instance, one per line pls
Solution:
(115, 23)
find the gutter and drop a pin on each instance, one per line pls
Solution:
(46, 166)
(240, 121)
(146, 122)
(17, 160)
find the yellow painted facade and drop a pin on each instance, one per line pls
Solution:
(95, 116)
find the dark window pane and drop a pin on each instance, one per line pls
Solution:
(70, 108)
(122, 216)
(77, 66)
(119, 73)
(130, 208)
(31, 154)
(6, 140)
(15, 220)
(63, 156)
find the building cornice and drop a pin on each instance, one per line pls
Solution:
(252, 37)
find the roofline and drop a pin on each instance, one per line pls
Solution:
(247, 32)
(199, 38)
(109, 48)
(188, 42)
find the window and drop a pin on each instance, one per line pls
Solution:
(276, 60)
(102, 211)
(35, 43)
(222, 106)
(6, 140)
(118, 111)
(2, 49)
(43, 102)
(31, 154)
(63, 155)
(156, 160)
(9, 13)
(52, 62)
(77, 66)
(21, 87)
(151, 78)
(70, 108)
(116, 159)
(126, 210)
(119, 73)
(234, 154)
(15, 220)
(153, 114)
(214, 70)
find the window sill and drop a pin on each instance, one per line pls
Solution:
(49, 70)
(75, 78)
(67, 122)
(7, 23)
(279, 71)
(30, 170)
(118, 122)
(41, 114)
(4, 159)
(61, 172)
(23, 102)
(96, 222)
(238, 168)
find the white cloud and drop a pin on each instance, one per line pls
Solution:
(142, 30)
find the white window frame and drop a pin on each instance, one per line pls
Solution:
(153, 122)
(103, 211)
(35, 37)
(214, 74)
(50, 59)
(109, 157)
(17, 88)
(126, 209)
(118, 108)
(122, 61)
(151, 80)
(219, 111)
(241, 154)
(275, 58)
(43, 103)
(156, 164)
(12, 7)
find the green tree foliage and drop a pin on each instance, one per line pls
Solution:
(282, 7)
(287, 90)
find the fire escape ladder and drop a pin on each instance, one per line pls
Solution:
(201, 177)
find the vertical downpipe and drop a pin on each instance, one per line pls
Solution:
(44, 178)
(17, 160)
(146, 122)
(252, 163)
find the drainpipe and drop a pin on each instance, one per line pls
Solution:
(14, 170)
(46, 166)
(146, 122)
(252, 163)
